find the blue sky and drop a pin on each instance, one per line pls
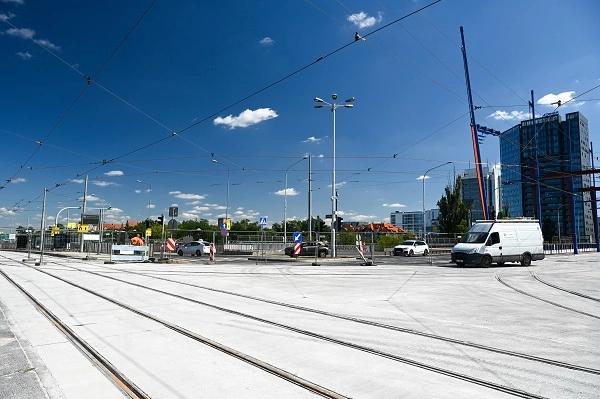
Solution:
(154, 91)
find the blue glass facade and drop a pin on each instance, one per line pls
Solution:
(562, 146)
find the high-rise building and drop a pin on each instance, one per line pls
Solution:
(470, 192)
(412, 222)
(562, 147)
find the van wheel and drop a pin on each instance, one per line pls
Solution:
(486, 261)
(526, 260)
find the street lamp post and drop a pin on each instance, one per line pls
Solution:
(424, 175)
(149, 204)
(558, 219)
(67, 207)
(227, 204)
(285, 199)
(101, 227)
(334, 106)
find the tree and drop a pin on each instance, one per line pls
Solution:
(505, 212)
(453, 211)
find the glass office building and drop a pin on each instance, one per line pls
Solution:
(563, 146)
(470, 192)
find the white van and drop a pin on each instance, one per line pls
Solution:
(499, 241)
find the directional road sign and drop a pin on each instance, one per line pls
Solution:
(297, 237)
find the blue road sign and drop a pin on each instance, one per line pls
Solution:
(263, 221)
(224, 232)
(297, 237)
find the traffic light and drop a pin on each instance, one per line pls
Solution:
(161, 219)
(321, 225)
(338, 224)
(147, 223)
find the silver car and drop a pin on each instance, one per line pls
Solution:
(196, 248)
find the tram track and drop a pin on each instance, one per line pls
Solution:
(520, 291)
(391, 356)
(371, 323)
(267, 367)
(130, 388)
(125, 384)
(538, 278)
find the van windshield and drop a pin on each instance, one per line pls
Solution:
(474, 237)
(477, 233)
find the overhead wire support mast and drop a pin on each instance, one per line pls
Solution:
(478, 164)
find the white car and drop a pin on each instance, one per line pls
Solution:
(194, 248)
(411, 247)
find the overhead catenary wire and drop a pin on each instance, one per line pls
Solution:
(178, 133)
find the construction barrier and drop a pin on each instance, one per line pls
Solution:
(129, 252)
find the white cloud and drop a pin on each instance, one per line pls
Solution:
(6, 17)
(90, 197)
(395, 205)
(138, 191)
(18, 180)
(150, 206)
(290, 191)
(509, 116)
(339, 184)
(4, 211)
(312, 139)
(103, 183)
(13, 1)
(47, 44)
(247, 118)
(421, 177)
(179, 194)
(267, 41)
(551, 100)
(25, 56)
(193, 203)
(115, 173)
(189, 216)
(23, 33)
(79, 181)
(362, 20)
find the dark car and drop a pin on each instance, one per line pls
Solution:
(308, 249)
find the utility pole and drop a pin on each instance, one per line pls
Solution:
(83, 210)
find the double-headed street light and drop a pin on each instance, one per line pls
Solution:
(285, 199)
(227, 205)
(334, 106)
(424, 175)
